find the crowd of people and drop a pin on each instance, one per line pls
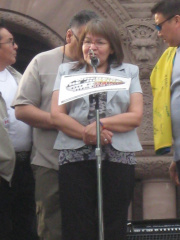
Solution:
(48, 171)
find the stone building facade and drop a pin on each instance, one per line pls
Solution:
(39, 25)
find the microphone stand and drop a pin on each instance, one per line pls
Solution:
(99, 160)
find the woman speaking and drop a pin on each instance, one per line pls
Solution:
(120, 114)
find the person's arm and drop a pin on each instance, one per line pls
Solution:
(71, 127)
(173, 173)
(90, 136)
(64, 122)
(125, 122)
(34, 116)
(29, 96)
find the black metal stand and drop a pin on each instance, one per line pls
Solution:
(99, 169)
(99, 172)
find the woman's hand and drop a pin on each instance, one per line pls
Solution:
(106, 137)
(89, 134)
(90, 137)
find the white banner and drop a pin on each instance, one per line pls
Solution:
(77, 86)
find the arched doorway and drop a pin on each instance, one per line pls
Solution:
(27, 49)
(32, 36)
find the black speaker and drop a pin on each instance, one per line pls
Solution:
(160, 229)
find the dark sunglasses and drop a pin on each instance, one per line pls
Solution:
(159, 26)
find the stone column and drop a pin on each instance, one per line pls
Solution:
(159, 199)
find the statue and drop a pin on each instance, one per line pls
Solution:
(143, 47)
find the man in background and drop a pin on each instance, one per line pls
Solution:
(32, 106)
(17, 203)
(165, 81)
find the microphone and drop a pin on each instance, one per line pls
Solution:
(94, 60)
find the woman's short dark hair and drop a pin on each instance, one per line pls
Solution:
(102, 27)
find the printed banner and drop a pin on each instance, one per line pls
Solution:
(76, 86)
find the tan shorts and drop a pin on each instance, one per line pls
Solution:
(47, 203)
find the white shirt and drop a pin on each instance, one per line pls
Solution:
(19, 132)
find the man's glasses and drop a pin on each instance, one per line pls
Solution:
(159, 26)
(76, 37)
(9, 42)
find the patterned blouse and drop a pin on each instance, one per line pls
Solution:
(87, 152)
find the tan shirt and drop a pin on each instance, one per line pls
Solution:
(36, 89)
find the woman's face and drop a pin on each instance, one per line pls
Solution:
(100, 47)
